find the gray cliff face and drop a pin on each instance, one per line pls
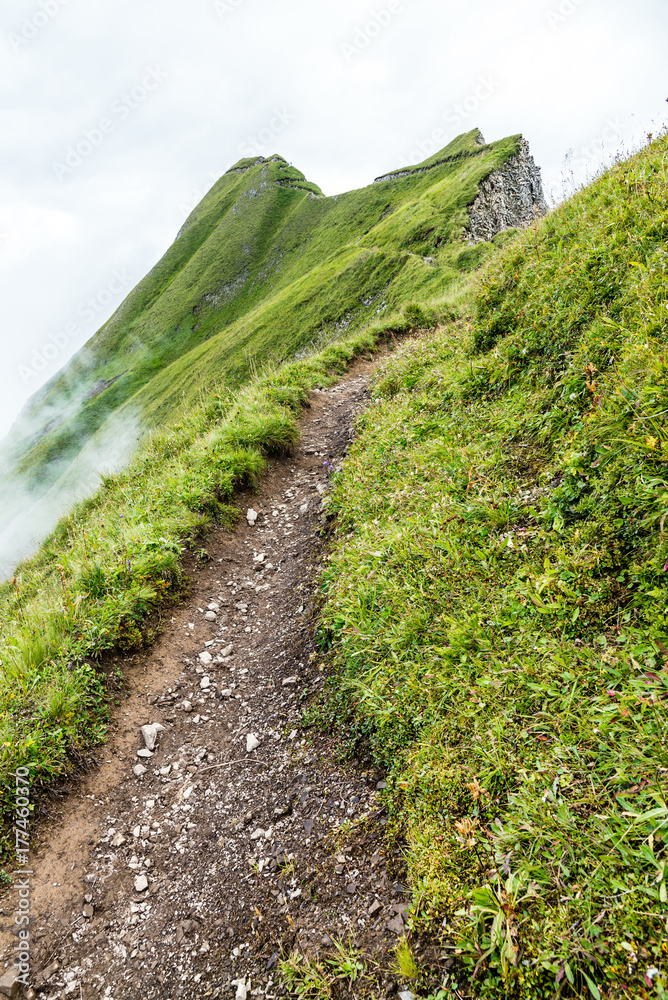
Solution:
(510, 197)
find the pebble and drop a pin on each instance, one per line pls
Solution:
(141, 883)
(119, 839)
(406, 995)
(151, 733)
(257, 834)
(205, 684)
(252, 742)
(187, 706)
(138, 770)
(88, 912)
(227, 651)
(289, 681)
(211, 616)
(213, 606)
(251, 516)
(226, 693)
(145, 754)
(9, 984)
(205, 658)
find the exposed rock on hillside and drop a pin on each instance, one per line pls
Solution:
(509, 197)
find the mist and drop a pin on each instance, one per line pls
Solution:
(107, 452)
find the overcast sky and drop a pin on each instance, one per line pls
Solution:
(118, 115)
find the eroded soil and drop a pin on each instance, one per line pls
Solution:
(249, 855)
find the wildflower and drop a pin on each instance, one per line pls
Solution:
(650, 975)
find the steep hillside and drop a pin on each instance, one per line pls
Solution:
(264, 267)
(504, 646)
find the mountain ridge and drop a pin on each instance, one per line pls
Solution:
(263, 266)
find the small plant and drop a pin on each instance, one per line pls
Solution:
(347, 964)
(324, 978)
(307, 976)
(405, 964)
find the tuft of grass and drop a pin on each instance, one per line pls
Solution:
(504, 644)
(405, 965)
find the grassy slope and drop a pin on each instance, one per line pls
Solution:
(264, 266)
(94, 582)
(505, 641)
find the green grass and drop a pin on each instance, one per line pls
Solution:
(495, 605)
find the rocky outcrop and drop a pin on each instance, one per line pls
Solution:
(510, 197)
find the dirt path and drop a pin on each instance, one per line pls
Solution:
(188, 873)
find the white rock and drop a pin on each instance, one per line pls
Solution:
(242, 989)
(252, 742)
(227, 651)
(136, 831)
(134, 862)
(226, 693)
(118, 840)
(205, 683)
(151, 733)
(141, 883)
(257, 834)
(138, 770)
(211, 616)
(205, 658)
(213, 606)
(289, 681)
(145, 754)
(251, 516)
(187, 706)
